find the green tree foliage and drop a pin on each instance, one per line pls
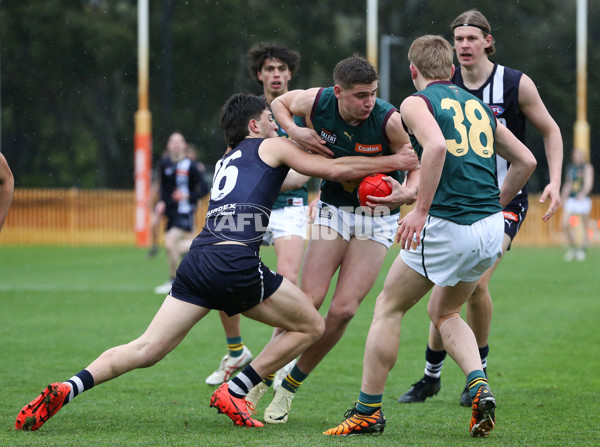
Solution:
(69, 70)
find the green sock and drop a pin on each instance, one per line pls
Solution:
(269, 379)
(294, 379)
(474, 380)
(368, 403)
(235, 346)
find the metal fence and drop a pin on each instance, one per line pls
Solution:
(106, 217)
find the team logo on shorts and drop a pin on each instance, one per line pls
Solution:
(239, 222)
(325, 213)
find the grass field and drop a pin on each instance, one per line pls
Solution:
(61, 307)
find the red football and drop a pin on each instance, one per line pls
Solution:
(373, 185)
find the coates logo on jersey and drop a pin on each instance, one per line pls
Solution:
(497, 110)
(368, 148)
(239, 222)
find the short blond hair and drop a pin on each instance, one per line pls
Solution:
(432, 55)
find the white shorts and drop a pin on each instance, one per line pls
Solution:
(349, 224)
(286, 221)
(450, 253)
(574, 206)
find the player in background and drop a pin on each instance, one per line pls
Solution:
(272, 66)
(450, 238)
(7, 188)
(575, 196)
(222, 269)
(180, 185)
(346, 120)
(514, 98)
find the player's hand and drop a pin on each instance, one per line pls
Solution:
(553, 192)
(159, 208)
(313, 209)
(406, 159)
(409, 230)
(400, 195)
(310, 141)
(178, 195)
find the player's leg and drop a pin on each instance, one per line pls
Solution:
(431, 383)
(402, 289)
(171, 323)
(172, 237)
(360, 266)
(155, 219)
(565, 223)
(585, 210)
(322, 258)
(238, 355)
(289, 250)
(458, 338)
(585, 237)
(289, 309)
(359, 269)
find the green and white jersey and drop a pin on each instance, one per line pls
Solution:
(293, 197)
(368, 139)
(468, 189)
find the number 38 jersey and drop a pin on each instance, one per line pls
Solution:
(243, 193)
(468, 189)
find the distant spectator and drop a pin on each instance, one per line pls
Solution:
(181, 185)
(575, 196)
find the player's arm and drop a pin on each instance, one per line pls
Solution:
(426, 130)
(522, 163)
(566, 188)
(532, 106)
(299, 103)
(405, 193)
(588, 181)
(7, 187)
(198, 186)
(282, 151)
(400, 141)
(294, 180)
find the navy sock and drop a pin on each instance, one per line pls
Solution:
(80, 382)
(241, 384)
(434, 360)
(483, 353)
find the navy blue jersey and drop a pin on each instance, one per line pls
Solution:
(243, 193)
(501, 92)
(185, 176)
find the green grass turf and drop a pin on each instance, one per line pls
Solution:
(61, 307)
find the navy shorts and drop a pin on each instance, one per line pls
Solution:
(514, 215)
(231, 278)
(185, 221)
